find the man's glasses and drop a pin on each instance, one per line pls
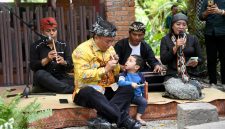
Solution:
(109, 41)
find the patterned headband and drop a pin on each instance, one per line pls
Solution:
(104, 28)
(137, 26)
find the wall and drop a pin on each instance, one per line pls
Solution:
(121, 13)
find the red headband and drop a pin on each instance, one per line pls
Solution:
(47, 23)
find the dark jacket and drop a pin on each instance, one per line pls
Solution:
(192, 49)
(40, 50)
(124, 50)
(215, 23)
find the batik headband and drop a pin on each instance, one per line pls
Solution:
(104, 28)
(137, 26)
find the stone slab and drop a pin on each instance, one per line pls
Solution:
(195, 113)
(212, 125)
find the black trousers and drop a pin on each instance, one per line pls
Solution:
(50, 83)
(114, 110)
(215, 47)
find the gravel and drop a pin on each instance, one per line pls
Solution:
(161, 124)
(158, 124)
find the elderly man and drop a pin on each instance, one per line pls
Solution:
(135, 45)
(51, 60)
(96, 64)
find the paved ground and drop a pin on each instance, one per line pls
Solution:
(160, 124)
(163, 124)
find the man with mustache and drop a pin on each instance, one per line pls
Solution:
(135, 45)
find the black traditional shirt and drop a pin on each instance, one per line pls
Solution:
(40, 50)
(124, 50)
(215, 23)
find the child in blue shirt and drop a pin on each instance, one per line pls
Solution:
(132, 77)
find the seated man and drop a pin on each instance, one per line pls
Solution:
(95, 65)
(135, 45)
(50, 60)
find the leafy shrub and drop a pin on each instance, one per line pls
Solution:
(12, 116)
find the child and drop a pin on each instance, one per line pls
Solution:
(131, 77)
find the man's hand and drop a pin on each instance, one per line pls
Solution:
(213, 9)
(60, 60)
(114, 57)
(51, 55)
(110, 65)
(158, 68)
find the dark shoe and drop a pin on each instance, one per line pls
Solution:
(98, 123)
(130, 124)
(137, 125)
(142, 122)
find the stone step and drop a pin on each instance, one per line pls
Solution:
(195, 113)
(212, 125)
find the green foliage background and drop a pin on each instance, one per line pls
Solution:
(153, 14)
(34, 1)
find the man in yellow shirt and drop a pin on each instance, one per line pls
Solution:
(95, 66)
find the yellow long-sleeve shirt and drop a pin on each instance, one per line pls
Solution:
(87, 69)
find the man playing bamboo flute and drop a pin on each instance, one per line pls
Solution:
(50, 59)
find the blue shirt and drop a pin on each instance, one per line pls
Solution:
(126, 79)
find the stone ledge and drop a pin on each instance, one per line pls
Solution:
(78, 116)
(195, 114)
(212, 125)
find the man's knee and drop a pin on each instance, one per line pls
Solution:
(88, 91)
(126, 89)
(40, 77)
(41, 74)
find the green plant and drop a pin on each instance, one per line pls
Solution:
(11, 116)
(153, 14)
